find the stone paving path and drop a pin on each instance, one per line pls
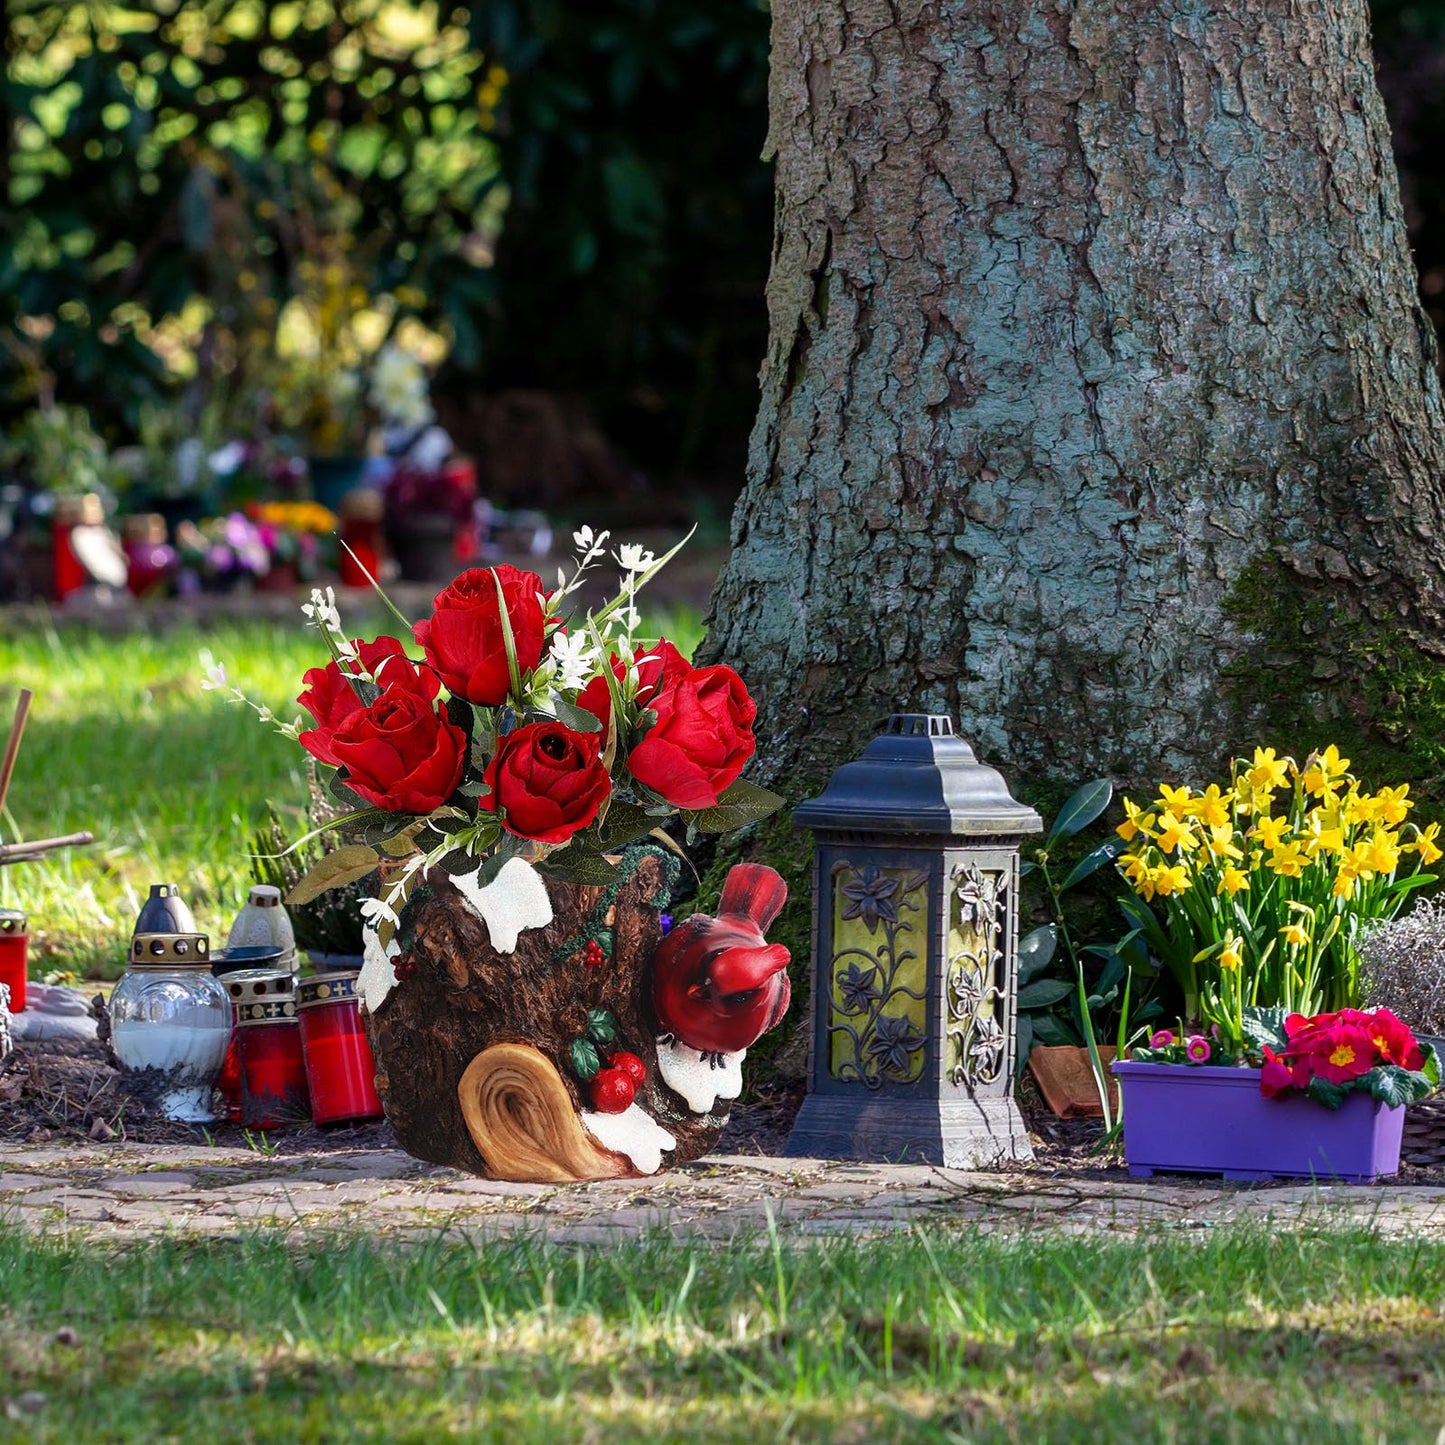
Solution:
(120, 1192)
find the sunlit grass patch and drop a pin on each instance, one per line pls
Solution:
(944, 1335)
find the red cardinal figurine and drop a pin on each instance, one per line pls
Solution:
(717, 985)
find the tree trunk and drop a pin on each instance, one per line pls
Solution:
(1081, 316)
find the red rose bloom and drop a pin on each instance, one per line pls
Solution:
(463, 637)
(702, 737)
(330, 699)
(659, 667)
(401, 753)
(547, 780)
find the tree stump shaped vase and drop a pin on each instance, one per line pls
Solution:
(500, 1063)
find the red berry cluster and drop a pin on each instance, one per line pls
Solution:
(614, 1088)
(403, 967)
(592, 955)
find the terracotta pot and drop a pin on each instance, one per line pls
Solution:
(1065, 1078)
(1200, 1120)
(475, 1048)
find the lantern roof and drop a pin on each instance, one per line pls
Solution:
(917, 776)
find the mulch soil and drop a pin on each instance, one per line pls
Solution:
(54, 1092)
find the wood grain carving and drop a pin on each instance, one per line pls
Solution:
(524, 1124)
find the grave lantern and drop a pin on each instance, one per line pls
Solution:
(915, 955)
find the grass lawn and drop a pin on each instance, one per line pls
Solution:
(172, 780)
(1237, 1334)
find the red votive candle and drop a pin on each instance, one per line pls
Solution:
(268, 1045)
(361, 519)
(13, 944)
(340, 1070)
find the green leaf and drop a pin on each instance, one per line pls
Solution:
(601, 1026)
(509, 643)
(1394, 1086)
(739, 805)
(625, 823)
(1091, 862)
(1263, 1026)
(576, 718)
(335, 870)
(1326, 1093)
(1081, 809)
(1051, 1030)
(1043, 993)
(1036, 951)
(458, 863)
(574, 865)
(1025, 1044)
(336, 786)
(584, 1059)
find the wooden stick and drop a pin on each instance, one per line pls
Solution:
(25, 852)
(12, 743)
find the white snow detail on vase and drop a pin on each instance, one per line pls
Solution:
(633, 1132)
(515, 900)
(377, 977)
(700, 1078)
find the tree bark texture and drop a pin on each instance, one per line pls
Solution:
(1078, 312)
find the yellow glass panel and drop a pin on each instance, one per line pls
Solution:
(878, 1000)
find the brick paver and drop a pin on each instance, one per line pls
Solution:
(120, 1192)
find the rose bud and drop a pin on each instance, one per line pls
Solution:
(547, 780)
(463, 638)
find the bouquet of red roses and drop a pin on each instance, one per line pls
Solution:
(519, 734)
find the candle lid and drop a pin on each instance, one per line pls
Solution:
(266, 895)
(170, 950)
(249, 957)
(326, 988)
(261, 985)
(12, 920)
(280, 1010)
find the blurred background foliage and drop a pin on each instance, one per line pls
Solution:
(568, 195)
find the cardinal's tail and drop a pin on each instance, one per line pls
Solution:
(753, 891)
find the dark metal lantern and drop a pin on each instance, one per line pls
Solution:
(915, 955)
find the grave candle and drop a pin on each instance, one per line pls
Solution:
(268, 1044)
(13, 944)
(340, 1070)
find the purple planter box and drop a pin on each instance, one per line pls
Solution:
(1201, 1120)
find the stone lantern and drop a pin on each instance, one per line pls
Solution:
(915, 955)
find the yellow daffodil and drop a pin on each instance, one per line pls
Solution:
(1267, 772)
(1391, 804)
(1211, 807)
(1175, 800)
(1232, 880)
(1344, 884)
(1136, 821)
(1220, 844)
(1323, 770)
(1230, 955)
(1383, 850)
(1425, 844)
(1175, 833)
(1295, 934)
(1270, 831)
(1134, 868)
(1169, 880)
(1288, 860)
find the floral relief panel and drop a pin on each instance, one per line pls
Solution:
(974, 996)
(877, 1018)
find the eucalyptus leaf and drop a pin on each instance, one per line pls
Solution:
(1083, 806)
(335, 870)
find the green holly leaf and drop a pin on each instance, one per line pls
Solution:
(584, 1059)
(601, 1026)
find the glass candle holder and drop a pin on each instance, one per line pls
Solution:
(340, 1070)
(170, 1021)
(361, 518)
(14, 942)
(268, 1045)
